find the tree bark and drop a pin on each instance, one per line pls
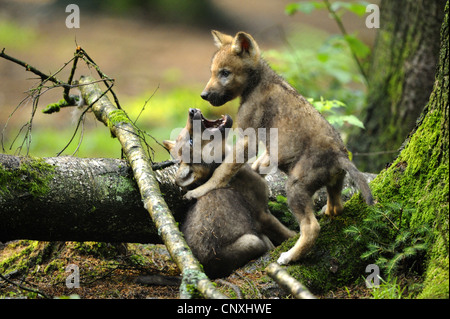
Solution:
(419, 177)
(92, 199)
(401, 79)
(81, 200)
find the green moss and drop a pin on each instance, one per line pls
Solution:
(55, 107)
(16, 261)
(98, 249)
(335, 259)
(55, 265)
(117, 116)
(419, 178)
(122, 185)
(32, 176)
(436, 284)
(280, 209)
(29, 254)
(188, 287)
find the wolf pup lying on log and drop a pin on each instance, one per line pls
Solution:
(310, 150)
(231, 225)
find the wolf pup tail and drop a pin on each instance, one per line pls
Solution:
(358, 178)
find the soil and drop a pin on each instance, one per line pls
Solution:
(122, 271)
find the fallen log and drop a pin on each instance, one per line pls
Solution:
(91, 199)
(76, 199)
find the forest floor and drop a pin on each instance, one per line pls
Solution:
(133, 271)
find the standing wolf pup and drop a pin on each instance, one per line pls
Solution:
(228, 226)
(310, 150)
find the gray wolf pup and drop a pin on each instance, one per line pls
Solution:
(228, 226)
(310, 150)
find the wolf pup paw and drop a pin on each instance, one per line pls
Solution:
(190, 195)
(284, 258)
(196, 193)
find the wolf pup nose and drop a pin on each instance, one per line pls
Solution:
(205, 95)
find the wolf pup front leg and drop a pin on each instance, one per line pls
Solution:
(223, 174)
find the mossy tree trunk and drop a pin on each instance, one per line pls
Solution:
(419, 177)
(401, 78)
(78, 199)
(412, 195)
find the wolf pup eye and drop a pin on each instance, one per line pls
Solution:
(224, 73)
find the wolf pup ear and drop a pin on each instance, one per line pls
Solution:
(244, 43)
(169, 144)
(221, 39)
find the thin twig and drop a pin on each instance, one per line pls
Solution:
(24, 288)
(72, 73)
(44, 77)
(145, 104)
(344, 32)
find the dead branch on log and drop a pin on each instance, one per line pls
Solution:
(153, 201)
(281, 276)
(122, 127)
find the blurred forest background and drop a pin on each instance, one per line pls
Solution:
(158, 52)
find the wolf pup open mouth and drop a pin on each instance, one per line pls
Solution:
(221, 124)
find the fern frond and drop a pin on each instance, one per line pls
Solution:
(393, 263)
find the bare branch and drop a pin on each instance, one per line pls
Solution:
(44, 77)
(281, 276)
(120, 126)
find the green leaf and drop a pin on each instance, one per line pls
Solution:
(393, 263)
(305, 7)
(358, 8)
(352, 231)
(353, 120)
(357, 46)
(323, 56)
(291, 8)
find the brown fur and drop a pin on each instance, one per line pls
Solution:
(310, 150)
(228, 226)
